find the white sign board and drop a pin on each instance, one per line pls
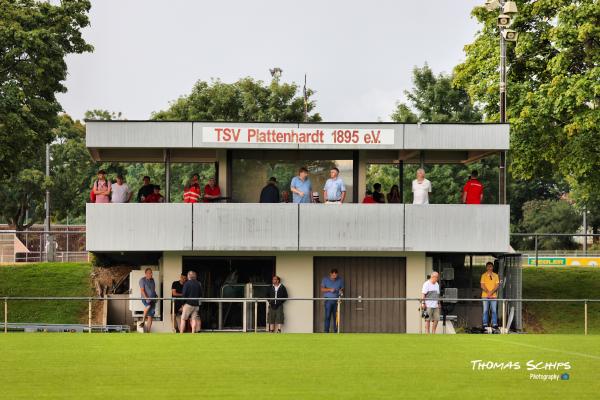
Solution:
(313, 136)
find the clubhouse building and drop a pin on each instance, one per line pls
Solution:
(237, 244)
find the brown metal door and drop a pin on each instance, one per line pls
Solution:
(365, 277)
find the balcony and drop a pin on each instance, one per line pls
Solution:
(289, 227)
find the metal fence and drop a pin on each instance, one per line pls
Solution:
(504, 311)
(532, 243)
(39, 245)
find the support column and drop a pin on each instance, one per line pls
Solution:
(416, 274)
(296, 272)
(167, 175)
(502, 179)
(361, 183)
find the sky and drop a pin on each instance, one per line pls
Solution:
(358, 55)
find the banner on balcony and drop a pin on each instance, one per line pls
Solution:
(313, 136)
(565, 261)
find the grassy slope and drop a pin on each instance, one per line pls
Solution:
(45, 279)
(246, 366)
(565, 283)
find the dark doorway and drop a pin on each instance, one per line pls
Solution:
(365, 277)
(229, 277)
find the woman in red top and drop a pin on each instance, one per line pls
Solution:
(191, 193)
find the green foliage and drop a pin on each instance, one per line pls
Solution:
(551, 216)
(35, 38)
(553, 89)
(46, 280)
(245, 100)
(435, 99)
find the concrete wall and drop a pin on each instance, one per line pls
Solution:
(296, 271)
(291, 227)
(415, 277)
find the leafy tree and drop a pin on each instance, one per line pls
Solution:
(551, 216)
(554, 86)
(245, 100)
(35, 38)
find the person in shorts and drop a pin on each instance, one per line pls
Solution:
(192, 290)
(277, 292)
(430, 304)
(148, 292)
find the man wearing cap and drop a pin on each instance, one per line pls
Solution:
(145, 190)
(334, 190)
(270, 193)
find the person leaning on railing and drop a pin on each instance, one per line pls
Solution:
(212, 191)
(191, 193)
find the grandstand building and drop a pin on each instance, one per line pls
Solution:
(236, 245)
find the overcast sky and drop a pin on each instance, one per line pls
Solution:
(358, 54)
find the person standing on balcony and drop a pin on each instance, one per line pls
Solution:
(145, 190)
(334, 191)
(155, 196)
(473, 190)
(301, 187)
(192, 193)
(148, 292)
(377, 195)
(369, 198)
(490, 282)
(421, 187)
(212, 192)
(430, 293)
(332, 287)
(192, 290)
(394, 195)
(270, 193)
(277, 295)
(102, 188)
(120, 191)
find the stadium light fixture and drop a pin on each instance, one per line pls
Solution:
(504, 20)
(510, 35)
(492, 5)
(510, 8)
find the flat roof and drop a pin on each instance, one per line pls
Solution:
(146, 140)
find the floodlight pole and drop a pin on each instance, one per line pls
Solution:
(47, 221)
(502, 170)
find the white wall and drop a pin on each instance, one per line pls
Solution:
(296, 272)
(415, 276)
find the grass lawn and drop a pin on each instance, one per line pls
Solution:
(562, 283)
(45, 279)
(292, 366)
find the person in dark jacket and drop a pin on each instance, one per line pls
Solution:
(192, 290)
(277, 292)
(270, 193)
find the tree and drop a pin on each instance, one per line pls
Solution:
(245, 100)
(554, 86)
(35, 38)
(551, 216)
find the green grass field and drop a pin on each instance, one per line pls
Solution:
(46, 280)
(293, 366)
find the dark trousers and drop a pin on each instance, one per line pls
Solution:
(331, 311)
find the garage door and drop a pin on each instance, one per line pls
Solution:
(365, 277)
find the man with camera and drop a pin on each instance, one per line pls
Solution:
(332, 287)
(430, 304)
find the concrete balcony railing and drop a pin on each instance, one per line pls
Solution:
(289, 227)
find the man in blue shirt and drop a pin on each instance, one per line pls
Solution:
(301, 187)
(332, 287)
(334, 190)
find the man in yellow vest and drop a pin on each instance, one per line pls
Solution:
(490, 282)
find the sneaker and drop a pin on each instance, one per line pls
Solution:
(278, 330)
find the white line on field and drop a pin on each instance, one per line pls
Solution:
(573, 353)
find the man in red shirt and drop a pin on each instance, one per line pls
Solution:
(155, 196)
(369, 198)
(473, 190)
(212, 192)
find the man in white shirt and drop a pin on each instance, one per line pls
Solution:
(421, 188)
(430, 293)
(120, 191)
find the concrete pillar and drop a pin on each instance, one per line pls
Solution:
(362, 176)
(223, 172)
(170, 269)
(296, 273)
(415, 276)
